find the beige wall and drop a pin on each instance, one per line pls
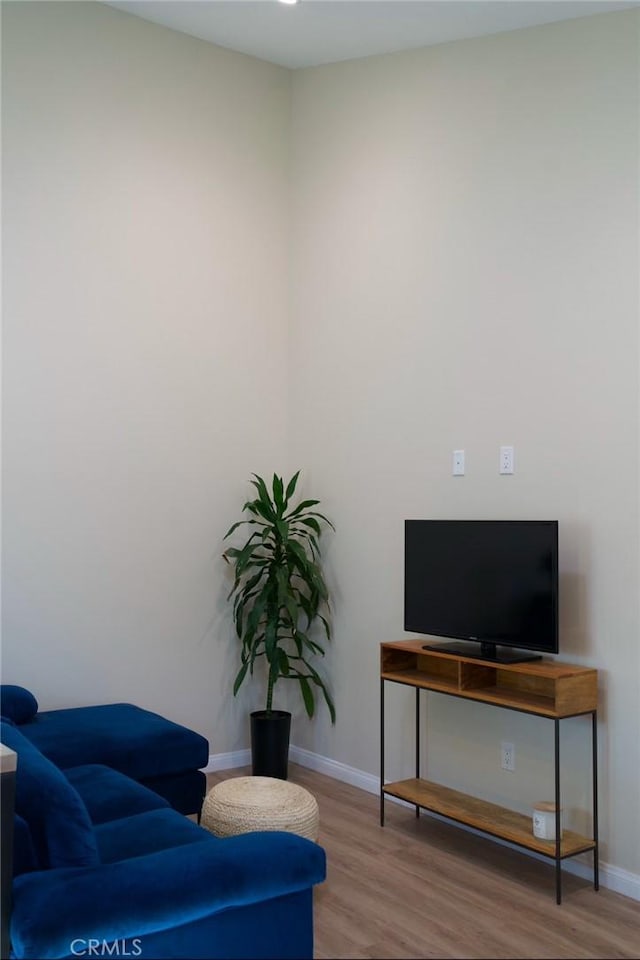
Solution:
(463, 274)
(145, 313)
(464, 270)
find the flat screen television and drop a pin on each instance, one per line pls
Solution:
(492, 583)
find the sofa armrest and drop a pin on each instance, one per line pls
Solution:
(157, 892)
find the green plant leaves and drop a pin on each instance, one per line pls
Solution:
(307, 695)
(278, 578)
(302, 506)
(329, 702)
(278, 493)
(235, 526)
(282, 528)
(311, 522)
(242, 672)
(291, 486)
(283, 661)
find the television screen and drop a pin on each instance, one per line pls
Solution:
(490, 581)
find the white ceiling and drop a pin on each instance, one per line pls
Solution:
(314, 32)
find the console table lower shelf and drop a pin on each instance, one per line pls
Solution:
(488, 817)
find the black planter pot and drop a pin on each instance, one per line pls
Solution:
(270, 743)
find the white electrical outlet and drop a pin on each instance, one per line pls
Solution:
(458, 463)
(507, 460)
(508, 756)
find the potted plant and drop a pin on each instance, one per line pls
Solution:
(279, 593)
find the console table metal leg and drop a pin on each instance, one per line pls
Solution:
(381, 753)
(8, 786)
(594, 746)
(558, 824)
(417, 742)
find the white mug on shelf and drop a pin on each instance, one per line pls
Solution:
(544, 820)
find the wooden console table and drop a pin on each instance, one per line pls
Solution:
(543, 688)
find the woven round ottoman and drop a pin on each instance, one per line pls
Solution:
(245, 804)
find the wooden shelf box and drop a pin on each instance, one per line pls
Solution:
(541, 687)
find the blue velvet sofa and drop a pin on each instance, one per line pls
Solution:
(103, 866)
(160, 754)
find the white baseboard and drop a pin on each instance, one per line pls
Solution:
(227, 761)
(335, 769)
(611, 877)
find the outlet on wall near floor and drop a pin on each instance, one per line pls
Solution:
(508, 756)
(507, 464)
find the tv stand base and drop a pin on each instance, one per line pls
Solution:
(487, 651)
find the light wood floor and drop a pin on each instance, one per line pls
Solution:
(424, 888)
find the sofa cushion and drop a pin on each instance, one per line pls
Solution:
(127, 738)
(17, 703)
(24, 853)
(147, 833)
(109, 795)
(184, 791)
(58, 821)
